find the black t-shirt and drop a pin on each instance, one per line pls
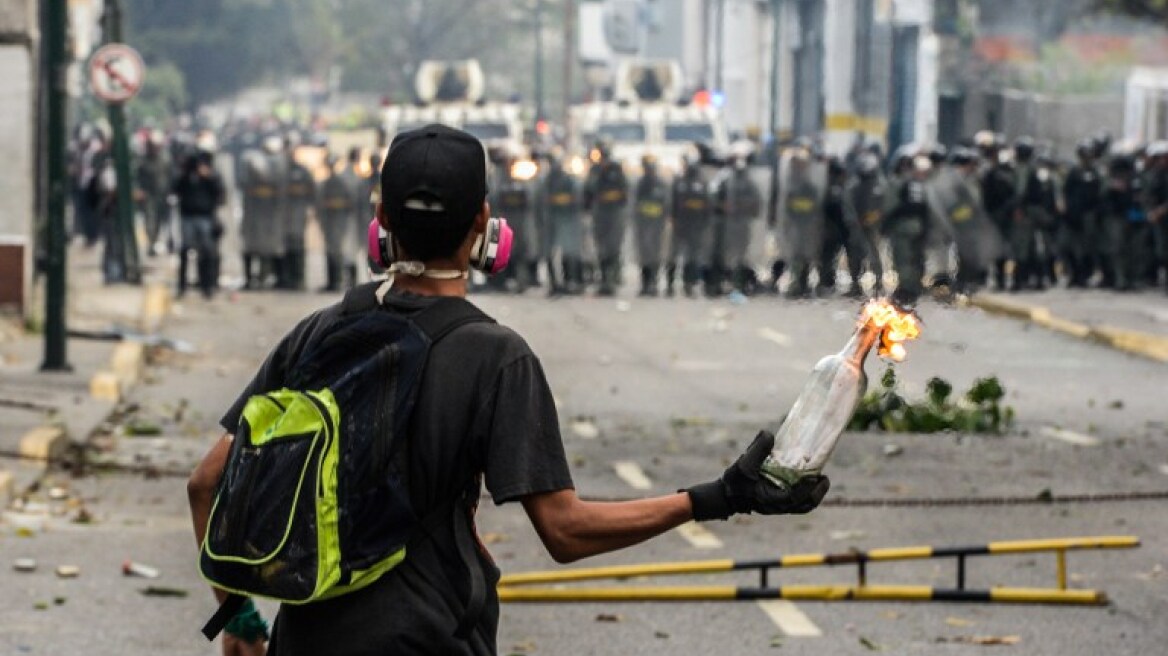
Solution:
(484, 409)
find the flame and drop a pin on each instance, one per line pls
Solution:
(897, 327)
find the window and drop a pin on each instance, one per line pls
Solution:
(621, 131)
(690, 132)
(487, 131)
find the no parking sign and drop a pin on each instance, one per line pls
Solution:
(116, 73)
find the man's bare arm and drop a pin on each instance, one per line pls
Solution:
(201, 490)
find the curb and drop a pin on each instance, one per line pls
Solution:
(1146, 345)
(129, 358)
(44, 444)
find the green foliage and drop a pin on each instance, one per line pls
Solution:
(979, 410)
(1156, 10)
(163, 95)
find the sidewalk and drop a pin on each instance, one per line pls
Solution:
(1133, 322)
(42, 414)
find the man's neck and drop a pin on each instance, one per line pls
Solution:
(429, 286)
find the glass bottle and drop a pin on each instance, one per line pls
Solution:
(822, 411)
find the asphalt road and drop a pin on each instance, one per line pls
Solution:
(677, 388)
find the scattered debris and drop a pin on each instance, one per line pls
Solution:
(958, 622)
(130, 568)
(870, 645)
(585, 428)
(893, 450)
(623, 306)
(661, 635)
(68, 572)
(609, 617)
(850, 534)
(980, 410)
(24, 565)
(982, 640)
(1115, 405)
(158, 591)
(137, 428)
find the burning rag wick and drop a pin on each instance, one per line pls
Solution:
(896, 328)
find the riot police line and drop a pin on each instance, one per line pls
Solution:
(987, 214)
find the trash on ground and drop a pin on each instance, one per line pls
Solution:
(24, 565)
(68, 572)
(158, 591)
(608, 617)
(893, 450)
(982, 640)
(130, 568)
(850, 534)
(585, 428)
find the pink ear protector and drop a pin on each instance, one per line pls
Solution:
(491, 252)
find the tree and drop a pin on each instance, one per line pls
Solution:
(1155, 10)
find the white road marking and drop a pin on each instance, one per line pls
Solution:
(1070, 437)
(699, 536)
(631, 473)
(790, 620)
(772, 335)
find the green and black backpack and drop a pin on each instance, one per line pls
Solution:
(312, 503)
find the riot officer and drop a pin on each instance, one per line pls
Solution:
(1080, 226)
(263, 199)
(1030, 215)
(906, 225)
(691, 227)
(335, 210)
(974, 235)
(842, 232)
(513, 200)
(300, 194)
(801, 232)
(867, 198)
(559, 203)
(999, 196)
(1156, 190)
(606, 196)
(1126, 228)
(650, 212)
(738, 199)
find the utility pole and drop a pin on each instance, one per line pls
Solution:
(776, 75)
(55, 19)
(130, 261)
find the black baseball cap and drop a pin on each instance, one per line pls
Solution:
(434, 172)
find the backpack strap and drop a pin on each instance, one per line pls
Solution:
(445, 315)
(361, 298)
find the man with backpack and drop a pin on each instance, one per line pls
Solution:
(389, 411)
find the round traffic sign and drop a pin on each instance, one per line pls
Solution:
(116, 73)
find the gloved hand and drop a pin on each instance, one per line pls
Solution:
(742, 489)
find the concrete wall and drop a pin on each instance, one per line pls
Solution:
(17, 138)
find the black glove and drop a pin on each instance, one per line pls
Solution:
(742, 489)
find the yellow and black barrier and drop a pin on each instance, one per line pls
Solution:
(550, 586)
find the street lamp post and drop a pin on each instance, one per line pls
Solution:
(55, 78)
(130, 263)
